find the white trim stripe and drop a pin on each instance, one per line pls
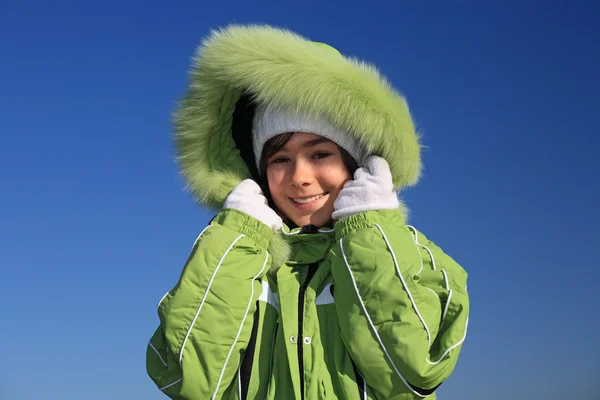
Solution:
(451, 347)
(364, 387)
(411, 298)
(430, 255)
(214, 396)
(364, 308)
(158, 354)
(446, 279)
(414, 232)
(200, 235)
(240, 384)
(326, 230)
(415, 235)
(212, 278)
(298, 231)
(196, 241)
(420, 258)
(414, 304)
(161, 300)
(171, 384)
(416, 240)
(433, 291)
(446, 308)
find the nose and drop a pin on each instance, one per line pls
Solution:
(301, 174)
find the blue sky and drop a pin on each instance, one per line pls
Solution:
(95, 225)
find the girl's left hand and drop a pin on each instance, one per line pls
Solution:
(372, 189)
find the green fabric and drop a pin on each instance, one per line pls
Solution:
(215, 312)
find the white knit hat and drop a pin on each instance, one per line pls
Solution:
(269, 122)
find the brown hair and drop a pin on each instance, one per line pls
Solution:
(275, 144)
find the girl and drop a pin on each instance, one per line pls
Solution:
(307, 284)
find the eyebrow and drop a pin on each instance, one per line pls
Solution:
(315, 142)
(310, 143)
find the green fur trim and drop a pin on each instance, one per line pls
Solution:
(282, 68)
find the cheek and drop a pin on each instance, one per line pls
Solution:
(274, 180)
(337, 178)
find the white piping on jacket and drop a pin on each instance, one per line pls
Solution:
(364, 386)
(446, 308)
(195, 241)
(161, 300)
(200, 235)
(416, 239)
(326, 230)
(212, 278)
(414, 304)
(298, 231)
(239, 384)
(158, 354)
(412, 300)
(420, 258)
(444, 320)
(448, 299)
(158, 306)
(451, 347)
(446, 279)
(241, 326)
(433, 291)
(389, 357)
(171, 384)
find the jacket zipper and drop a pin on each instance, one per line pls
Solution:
(312, 268)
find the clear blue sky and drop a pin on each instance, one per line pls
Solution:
(95, 225)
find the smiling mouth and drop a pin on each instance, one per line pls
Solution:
(307, 200)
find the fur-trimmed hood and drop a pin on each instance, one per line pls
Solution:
(239, 66)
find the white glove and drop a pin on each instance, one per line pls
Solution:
(372, 189)
(248, 197)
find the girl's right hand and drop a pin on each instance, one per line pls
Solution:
(248, 197)
(371, 190)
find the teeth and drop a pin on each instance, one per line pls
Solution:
(304, 201)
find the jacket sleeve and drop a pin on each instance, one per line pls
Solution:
(206, 319)
(405, 310)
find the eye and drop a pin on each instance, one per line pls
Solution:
(279, 160)
(321, 154)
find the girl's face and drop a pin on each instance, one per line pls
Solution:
(305, 177)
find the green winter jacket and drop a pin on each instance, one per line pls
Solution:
(366, 309)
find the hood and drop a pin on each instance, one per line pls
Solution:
(240, 66)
